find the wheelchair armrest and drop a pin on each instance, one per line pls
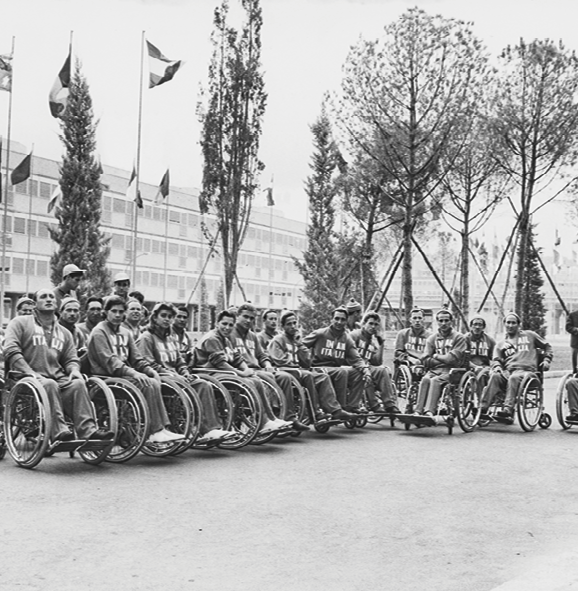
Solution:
(18, 375)
(211, 371)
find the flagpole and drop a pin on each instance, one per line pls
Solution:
(5, 215)
(270, 302)
(29, 222)
(136, 207)
(166, 248)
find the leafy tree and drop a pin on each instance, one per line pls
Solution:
(329, 263)
(231, 129)
(536, 118)
(78, 234)
(401, 99)
(533, 310)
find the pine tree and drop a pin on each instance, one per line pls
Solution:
(533, 309)
(78, 234)
(328, 264)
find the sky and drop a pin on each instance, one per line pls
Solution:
(304, 45)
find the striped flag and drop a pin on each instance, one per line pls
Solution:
(131, 189)
(6, 72)
(54, 198)
(22, 171)
(163, 188)
(59, 94)
(161, 69)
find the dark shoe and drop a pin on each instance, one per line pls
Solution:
(298, 426)
(65, 436)
(572, 418)
(506, 413)
(101, 435)
(322, 416)
(343, 415)
(378, 408)
(392, 410)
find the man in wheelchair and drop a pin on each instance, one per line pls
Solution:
(515, 356)
(444, 350)
(410, 342)
(36, 345)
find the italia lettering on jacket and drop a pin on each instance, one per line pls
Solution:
(333, 349)
(444, 346)
(479, 348)
(415, 344)
(39, 339)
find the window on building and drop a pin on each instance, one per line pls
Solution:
(173, 249)
(154, 279)
(32, 227)
(45, 190)
(148, 212)
(19, 225)
(156, 246)
(17, 266)
(117, 241)
(156, 214)
(119, 205)
(173, 281)
(42, 268)
(192, 252)
(146, 245)
(145, 278)
(193, 220)
(33, 187)
(175, 216)
(22, 188)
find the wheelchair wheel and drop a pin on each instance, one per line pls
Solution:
(223, 400)
(468, 407)
(179, 410)
(247, 411)
(133, 420)
(562, 408)
(27, 422)
(195, 408)
(545, 421)
(402, 380)
(530, 402)
(277, 401)
(106, 417)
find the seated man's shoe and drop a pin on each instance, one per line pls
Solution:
(392, 410)
(101, 435)
(164, 436)
(269, 427)
(378, 408)
(65, 436)
(322, 416)
(572, 418)
(283, 425)
(299, 426)
(343, 415)
(506, 413)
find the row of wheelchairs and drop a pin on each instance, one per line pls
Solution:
(461, 397)
(120, 407)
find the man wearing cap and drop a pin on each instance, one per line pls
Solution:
(514, 356)
(24, 306)
(69, 315)
(121, 282)
(443, 351)
(37, 345)
(94, 306)
(370, 346)
(71, 276)
(353, 314)
(269, 328)
(288, 352)
(334, 351)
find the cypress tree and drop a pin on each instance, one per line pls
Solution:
(78, 234)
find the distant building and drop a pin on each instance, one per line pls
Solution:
(265, 268)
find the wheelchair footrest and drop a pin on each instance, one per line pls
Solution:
(417, 420)
(77, 445)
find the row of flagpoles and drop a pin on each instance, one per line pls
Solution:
(161, 70)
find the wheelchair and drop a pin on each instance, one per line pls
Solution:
(406, 380)
(562, 408)
(27, 422)
(528, 406)
(243, 409)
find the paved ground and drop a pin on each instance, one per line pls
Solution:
(359, 510)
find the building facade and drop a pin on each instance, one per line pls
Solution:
(171, 247)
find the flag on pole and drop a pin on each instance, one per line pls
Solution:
(131, 189)
(22, 171)
(6, 72)
(58, 96)
(54, 198)
(161, 69)
(138, 200)
(269, 194)
(163, 188)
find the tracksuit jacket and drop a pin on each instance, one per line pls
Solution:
(26, 348)
(481, 348)
(162, 351)
(333, 349)
(216, 351)
(523, 355)
(286, 352)
(370, 347)
(408, 340)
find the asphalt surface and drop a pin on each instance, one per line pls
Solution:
(373, 508)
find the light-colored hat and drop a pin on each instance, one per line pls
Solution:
(122, 276)
(68, 300)
(70, 269)
(352, 306)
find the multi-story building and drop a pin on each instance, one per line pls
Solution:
(171, 248)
